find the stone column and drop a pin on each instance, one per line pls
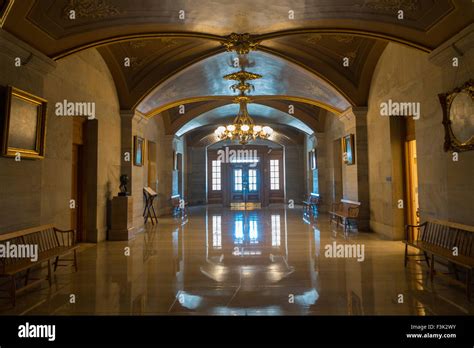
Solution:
(362, 160)
(165, 173)
(126, 146)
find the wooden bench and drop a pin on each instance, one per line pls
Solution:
(180, 206)
(345, 213)
(51, 243)
(444, 240)
(311, 204)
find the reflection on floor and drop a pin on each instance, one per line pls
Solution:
(245, 206)
(260, 262)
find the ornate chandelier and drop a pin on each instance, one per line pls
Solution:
(243, 128)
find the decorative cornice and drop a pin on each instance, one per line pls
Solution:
(456, 46)
(30, 57)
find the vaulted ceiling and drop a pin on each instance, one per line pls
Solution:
(301, 45)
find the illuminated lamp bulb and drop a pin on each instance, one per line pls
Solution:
(257, 129)
(245, 127)
(220, 130)
(231, 128)
(267, 130)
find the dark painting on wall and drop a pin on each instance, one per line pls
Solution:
(23, 123)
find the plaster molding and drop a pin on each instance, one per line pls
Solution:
(456, 46)
(139, 118)
(31, 58)
(127, 113)
(360, 111)
(346, 114)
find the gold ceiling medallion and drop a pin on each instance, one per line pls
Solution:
(243, 128)
(240, 43)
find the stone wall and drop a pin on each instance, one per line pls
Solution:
(294, 172)
(153, 130)
(196, 175)
(445, 187)
(38, 191)
(335, 128)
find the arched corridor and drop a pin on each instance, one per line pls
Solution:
(236, 158)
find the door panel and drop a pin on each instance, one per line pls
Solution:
(77, 214)
(245, 182)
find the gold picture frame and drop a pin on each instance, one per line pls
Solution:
(5, 10)
(23, 124)
(348, 153)
(138, 151)
(458, 118)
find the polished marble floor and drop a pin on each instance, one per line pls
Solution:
(267, 261)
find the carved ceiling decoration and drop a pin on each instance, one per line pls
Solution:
(94, 9)
(173, 60)
(240, 43)
(324, 54)
(152, 61)
(46, 25)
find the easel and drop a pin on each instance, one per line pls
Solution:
(149, 211)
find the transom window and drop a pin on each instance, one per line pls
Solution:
(274, 174)
(216, 175)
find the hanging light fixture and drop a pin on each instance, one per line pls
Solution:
(243, 128)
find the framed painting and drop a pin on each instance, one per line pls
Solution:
(23, 123)
(458, 120)
(138, 150)
(348, 154)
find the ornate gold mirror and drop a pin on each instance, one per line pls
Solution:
(458, 118)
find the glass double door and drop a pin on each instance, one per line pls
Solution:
(245, 183)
